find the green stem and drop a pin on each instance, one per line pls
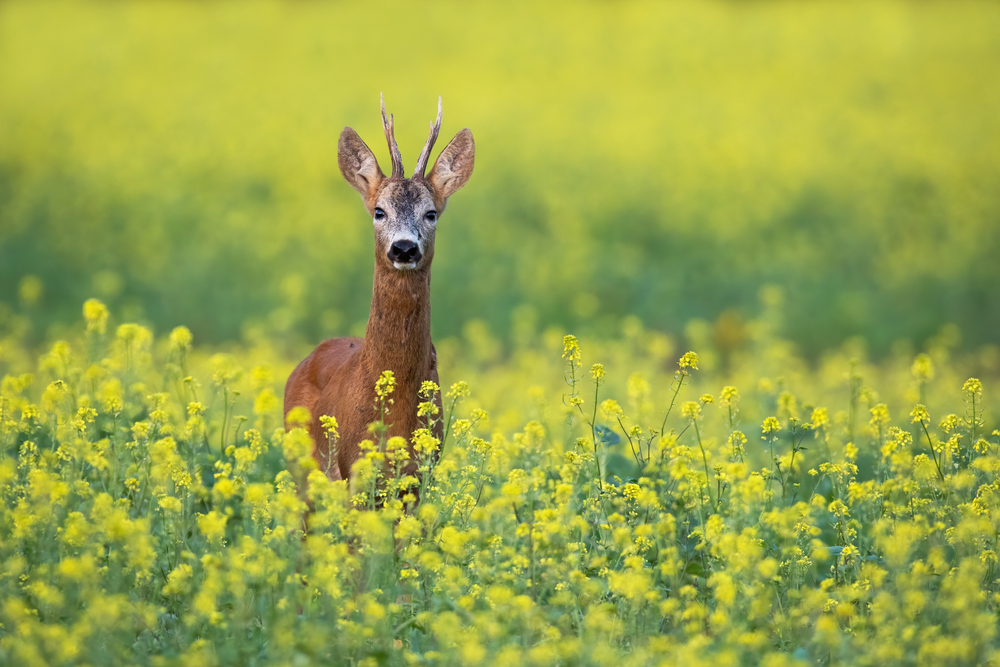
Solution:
(791, 467)
(451, 418)
(680, 383)
(225, 418)
(930, 443)
(771, 445)
(631, 445)
(593, 435)
(972, 433)
(704, 459)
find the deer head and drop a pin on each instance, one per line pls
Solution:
(405, 210)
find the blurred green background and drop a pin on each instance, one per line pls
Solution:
(667, 160)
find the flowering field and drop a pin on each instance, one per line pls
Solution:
(657, 159)
(766, 445)
(661, 508)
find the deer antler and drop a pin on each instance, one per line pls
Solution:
(429, 146)
(390, 137)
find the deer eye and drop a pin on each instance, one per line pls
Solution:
(379, 214)
(431, 215)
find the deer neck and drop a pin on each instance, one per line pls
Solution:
(398, 337)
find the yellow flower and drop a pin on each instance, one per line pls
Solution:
(950, 423)
(597, 372)
(299, 416)
(424, 443)
(571, 348)
(170, 504)
(212, 525)
(631, 491)
(611, 410)
(265, 402)
(225, 369)
(689, 360)
(53, 396)
(374, 611)
(77, 570)
(729, 396)
(298, 446)
(180, 339)
(850, 451)
(880, 415)
(179, 581)
(225, 488)
(461, 427)
(134, 334)
(427, 409)
(922, 369)
(770, 425)
(385, 384)
(408, 527)
(973, 387)
(691, 409)
(458, 390)
(261, 377)
(919, 414)
(96, 314)
(329, 425)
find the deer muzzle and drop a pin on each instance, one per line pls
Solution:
(404, 254)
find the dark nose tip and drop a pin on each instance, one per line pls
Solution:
(404, 252)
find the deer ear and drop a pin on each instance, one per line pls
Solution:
(454, 165)
(358, 164)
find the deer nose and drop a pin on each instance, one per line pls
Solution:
(404, 252)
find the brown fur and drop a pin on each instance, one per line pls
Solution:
(338, 378)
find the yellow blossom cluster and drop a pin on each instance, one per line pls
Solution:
(141, 523)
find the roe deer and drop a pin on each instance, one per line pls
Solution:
(338, 378)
